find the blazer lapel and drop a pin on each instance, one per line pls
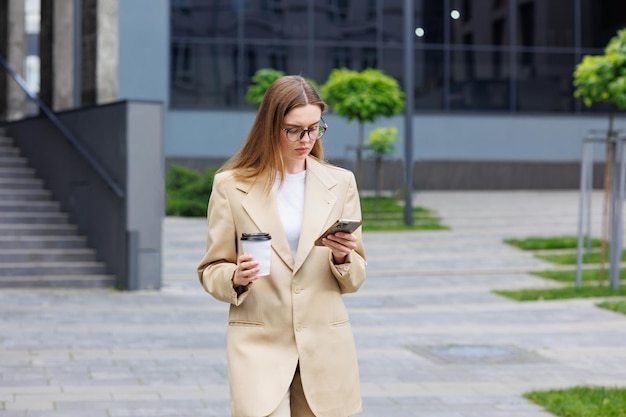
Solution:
(318, 203)
(263, 211)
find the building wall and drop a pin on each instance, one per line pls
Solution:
(143, 50)
(204, 135)
(437, 136)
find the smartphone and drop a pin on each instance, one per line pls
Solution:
(341, 225)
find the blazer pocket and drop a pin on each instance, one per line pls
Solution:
(340, 323)
(245, 323)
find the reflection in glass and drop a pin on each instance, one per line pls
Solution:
(602, 19)
(544, 82)
(428, 80)
(203, 75)
(479, 79)
(493, 55)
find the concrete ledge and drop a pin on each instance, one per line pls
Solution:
(454, 174)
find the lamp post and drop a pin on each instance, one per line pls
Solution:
(408, 111)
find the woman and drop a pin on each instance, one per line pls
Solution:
(290, 347)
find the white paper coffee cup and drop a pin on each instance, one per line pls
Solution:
(259, 245)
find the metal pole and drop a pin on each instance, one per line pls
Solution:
(408, 112)
(589, 187)
(612, 210)
(447, 35)
(620, 199)
(513, 57)
(78, 53)
(581, 209)
(616, 211)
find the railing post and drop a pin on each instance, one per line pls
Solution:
(617, 198)
(584, 206)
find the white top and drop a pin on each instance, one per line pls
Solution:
(290, 201)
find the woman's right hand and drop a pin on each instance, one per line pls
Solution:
(246, 272)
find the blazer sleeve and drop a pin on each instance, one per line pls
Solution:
(218, 265)
(351, 274)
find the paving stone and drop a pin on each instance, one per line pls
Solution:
(433, 339)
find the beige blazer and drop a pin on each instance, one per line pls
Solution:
(296, 314)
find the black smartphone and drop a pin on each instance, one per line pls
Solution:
(341, 225)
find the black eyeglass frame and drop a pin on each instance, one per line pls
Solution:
(321, 128)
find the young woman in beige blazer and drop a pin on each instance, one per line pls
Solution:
(290, 347)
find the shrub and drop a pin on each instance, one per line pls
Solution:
(187, 191)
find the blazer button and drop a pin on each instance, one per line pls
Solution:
(297, 290)
(298, 327)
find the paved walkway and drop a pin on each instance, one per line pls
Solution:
(433, 340)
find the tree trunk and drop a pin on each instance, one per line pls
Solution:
(359, 157)
(608, 168)
(379, 174)
(379, 182)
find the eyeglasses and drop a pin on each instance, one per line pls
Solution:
(295, 134)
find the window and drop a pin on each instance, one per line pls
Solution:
(337, 10)
(272, 7)
(497, 58)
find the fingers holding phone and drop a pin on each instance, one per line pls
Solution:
(339, 238)
(340, 226)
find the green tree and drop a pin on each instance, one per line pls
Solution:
(364, 96)
(381, 142)
(261, 80)
(602, 78)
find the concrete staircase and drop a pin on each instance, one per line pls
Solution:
(38, 245)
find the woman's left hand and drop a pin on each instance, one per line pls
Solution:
(340, 244)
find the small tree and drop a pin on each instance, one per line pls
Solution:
(602, 78)
(363, 96)
(381, 142)
(261, 81)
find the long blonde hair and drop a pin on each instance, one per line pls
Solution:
(259, 157)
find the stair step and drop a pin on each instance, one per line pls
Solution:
(20, 184)
(58, 281)
(51, 268)
(38, 247)
(17, 172)
(25, 195)
(6, 141)
(42, 242)
(37, 229)
(31, 207)
(33, 218)
(9, 151)
(13, 161)
(47, 255)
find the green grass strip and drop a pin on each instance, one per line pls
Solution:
(582, 401)
(540, 243)
(570, 258)
(617, 306)
(588, 275)
(538, 294)
(387, 214)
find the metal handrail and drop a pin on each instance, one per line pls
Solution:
(64, 131)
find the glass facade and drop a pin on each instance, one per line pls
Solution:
(470, 55)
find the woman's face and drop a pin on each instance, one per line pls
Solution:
(295, 153)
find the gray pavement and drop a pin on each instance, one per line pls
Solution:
(432, 339)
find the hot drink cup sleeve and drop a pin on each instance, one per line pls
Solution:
(259, 245)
